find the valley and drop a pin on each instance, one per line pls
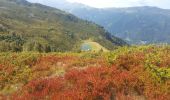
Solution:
(135, 25)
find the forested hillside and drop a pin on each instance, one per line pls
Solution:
(136, 25)
(34, 27)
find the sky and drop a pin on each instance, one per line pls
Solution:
(118, 3)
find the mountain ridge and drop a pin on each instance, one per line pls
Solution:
(124, 21)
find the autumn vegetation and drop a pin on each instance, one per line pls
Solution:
(128, 73)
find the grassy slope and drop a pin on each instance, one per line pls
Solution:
(95, 46)
(45, 25)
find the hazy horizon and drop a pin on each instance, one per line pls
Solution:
(112, 3)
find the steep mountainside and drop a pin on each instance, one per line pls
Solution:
(35, 27)
(136, 25)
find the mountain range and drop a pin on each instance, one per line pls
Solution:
(136, 25)
(26, 26)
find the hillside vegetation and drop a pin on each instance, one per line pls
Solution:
(128, 73)
(136, 25)
(34, 27)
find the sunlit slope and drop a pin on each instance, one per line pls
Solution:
(92, 46)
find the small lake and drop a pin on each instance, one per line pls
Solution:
(86, 47)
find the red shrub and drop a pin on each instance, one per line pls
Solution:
(95, 83)
(129, 61)
(41, 88)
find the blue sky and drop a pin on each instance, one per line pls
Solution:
(115, 3)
